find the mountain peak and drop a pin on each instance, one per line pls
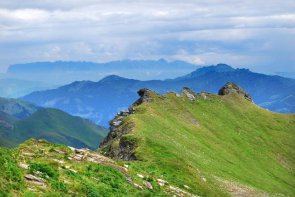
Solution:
(111, 78)
(231, 87)
(219, 68)
(223, 67)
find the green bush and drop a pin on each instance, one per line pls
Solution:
(108, 181)
(30, 194)
(10, 174)
(45, 169)
(59, 186)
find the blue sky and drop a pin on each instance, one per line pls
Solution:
(256, 34)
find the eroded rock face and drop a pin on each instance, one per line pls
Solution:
(145, 96)
(116, 145)
(231, 87)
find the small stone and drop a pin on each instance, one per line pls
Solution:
(203, 95)
(116, 123)
(58, 161)
(129, 180)
(91, 159)
(162, 182)
(126, 166)
(187, 187)
(38, 173)
(31, 177)
(60, 152)
(138, 186)
(148, 185)
(131, 110)
(23, 165)
(74, 171)
(72, 148)
(140, 176)
(81, 151)
(77, 157)
(28, 154)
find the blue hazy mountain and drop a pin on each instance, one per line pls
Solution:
(20, 120)
(62, 72)
(100, 101)
(286, 74)
(13, 88)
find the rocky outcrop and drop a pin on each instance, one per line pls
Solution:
(117, 144)
(192, 96)
(188, 93)
(231, 87)
(145, 96)
(33, 178)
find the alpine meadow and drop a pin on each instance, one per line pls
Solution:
(161, 98)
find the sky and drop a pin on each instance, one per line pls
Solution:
(255, 34)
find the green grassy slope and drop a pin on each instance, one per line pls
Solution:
(217, 146)
(58, 174)
(212, 146)
(55, 126)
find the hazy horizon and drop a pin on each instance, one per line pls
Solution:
(253, 34)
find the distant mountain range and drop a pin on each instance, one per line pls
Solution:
(21, 120)
(100, 101)
(62, 72)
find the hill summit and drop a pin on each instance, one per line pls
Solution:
(216, 145)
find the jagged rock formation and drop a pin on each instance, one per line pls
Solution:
(125, 145)
(121, 146)
(231, 87)
(145, 96)
(192, 96)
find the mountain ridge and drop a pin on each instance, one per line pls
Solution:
(63, 72)
(204, 70)
(100, 101)
(212, 140)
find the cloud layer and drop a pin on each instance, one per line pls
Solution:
(254, 33)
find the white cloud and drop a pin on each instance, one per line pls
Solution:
(237, 32)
